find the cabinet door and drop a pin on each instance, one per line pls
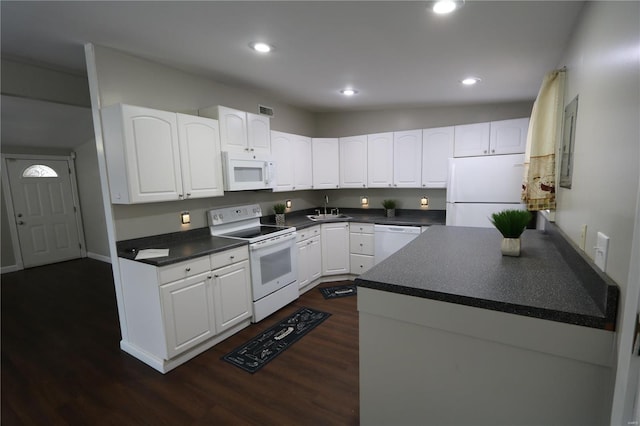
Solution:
(407, 159)
(302, 152)
(232, 295)
(471, 140)
(233, 129)
(437, 148)
(200, 157)
(380, 160)
(143, 158)
(326, 163)
(314, 256)
(335, 248)
(509, 136)
(303, 262)
(259, 134)
(281, 147)
(361, 244)
(353, 162)
(188, 313)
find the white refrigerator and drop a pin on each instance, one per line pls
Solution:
(480, 186)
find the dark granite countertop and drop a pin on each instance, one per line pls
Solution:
(550, 280)
(403, 217)
(182, 246)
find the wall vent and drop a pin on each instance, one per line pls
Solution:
(265, 110)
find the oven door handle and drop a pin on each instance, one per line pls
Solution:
(272, 241)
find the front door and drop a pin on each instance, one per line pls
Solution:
(45, 214)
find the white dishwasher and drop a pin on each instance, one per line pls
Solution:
(389, 239)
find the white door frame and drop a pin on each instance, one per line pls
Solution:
(6, 188)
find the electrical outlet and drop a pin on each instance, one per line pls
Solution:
(601, 251)
(583, 237)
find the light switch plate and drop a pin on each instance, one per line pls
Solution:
(601, 250)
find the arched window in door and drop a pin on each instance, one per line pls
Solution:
(38, 171)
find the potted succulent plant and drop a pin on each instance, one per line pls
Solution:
(279, 209)
(389, 207)
(511, 224)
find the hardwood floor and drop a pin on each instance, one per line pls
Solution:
(61, 362)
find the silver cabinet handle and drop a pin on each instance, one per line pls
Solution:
(187, 269)
(20, 222)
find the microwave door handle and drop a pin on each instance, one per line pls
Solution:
(267, 173)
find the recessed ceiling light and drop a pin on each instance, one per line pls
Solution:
(349, 92)
(470, 81)
(261, 47)
(443, 7)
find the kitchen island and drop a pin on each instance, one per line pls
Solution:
(452, 332)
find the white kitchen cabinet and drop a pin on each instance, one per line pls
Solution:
(232, 294)
(494, 138)
(509, 136)
(242, 131)
(335, 248)
(437, 148)
(407, 159)
(361, 247)
(293, 157)
(281, 154)
(353, 162)
(309, 255)
(200, 158)
(326, 163)
(177, 311)
(380, 160)
(155, 155)
(142, 154)
(471, 140)
(187, 307)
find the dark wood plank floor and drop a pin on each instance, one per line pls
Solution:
(61, 362)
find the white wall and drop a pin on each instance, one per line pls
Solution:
(91, 206)
(603, 69)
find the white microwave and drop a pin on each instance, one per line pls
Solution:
(247, 171)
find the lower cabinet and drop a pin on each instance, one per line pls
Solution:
(177, 311)
(232, 295)
(188, 312)
(309, 256)
(361, 246)
(335, 248)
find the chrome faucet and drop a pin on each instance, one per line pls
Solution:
(326, 201)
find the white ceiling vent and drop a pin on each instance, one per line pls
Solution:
(265, 110)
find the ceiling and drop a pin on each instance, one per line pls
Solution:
(395, 53)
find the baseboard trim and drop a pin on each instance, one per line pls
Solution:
(10, 268)
(99, 257)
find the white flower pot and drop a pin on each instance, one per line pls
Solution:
(510, 247)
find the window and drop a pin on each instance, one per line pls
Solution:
(39, 171)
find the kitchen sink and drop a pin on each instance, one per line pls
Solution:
(318, 217)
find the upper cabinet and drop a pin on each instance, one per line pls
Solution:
(509, 136)
(242, 131)
(293, 157)
(200, 158)
(353, 162)
(150, 155)
(407, 159)
(380, 160)
(495, 138)
(437, 148)
(326, 163)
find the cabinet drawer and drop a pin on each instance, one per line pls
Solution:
(228, 257)
(363, 228)
(304, 234)
(360, 263)
(184, 269)
(361, 244)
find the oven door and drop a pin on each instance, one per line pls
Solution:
(273, 264)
